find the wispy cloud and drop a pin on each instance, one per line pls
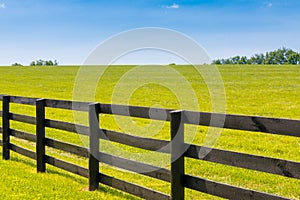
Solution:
(2, 5)
(173, 6)
(269, 5)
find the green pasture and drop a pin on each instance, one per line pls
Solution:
(263, 90)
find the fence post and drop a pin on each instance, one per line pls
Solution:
(94, 110)
(5, 128)
(40, 135)
(177, 155)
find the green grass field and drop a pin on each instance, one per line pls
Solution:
(250, 90)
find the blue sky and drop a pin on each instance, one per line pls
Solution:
(68, 30)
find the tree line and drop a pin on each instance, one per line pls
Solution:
(278, 57)
(40, 62)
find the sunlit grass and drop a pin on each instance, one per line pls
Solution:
(251, 90)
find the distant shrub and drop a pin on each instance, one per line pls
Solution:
(16, 64)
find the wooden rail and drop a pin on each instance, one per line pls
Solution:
(178, 148)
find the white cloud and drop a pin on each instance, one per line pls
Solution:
(269, 5)
(173, 6)
(2, 5)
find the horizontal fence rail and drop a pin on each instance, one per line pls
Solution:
(237, 122)
(225, 190)
(176, 176)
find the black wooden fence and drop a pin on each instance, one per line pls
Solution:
(176, 176)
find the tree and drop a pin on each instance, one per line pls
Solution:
(41, 62)
(272, 58)
(32, 63)
(16, 64)
(257, 59)
(227, 61)
(268, 59)
(294, 58)
(235, 60)
(48, 63)
(217, 62)
(278, 57)
(243, 60)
